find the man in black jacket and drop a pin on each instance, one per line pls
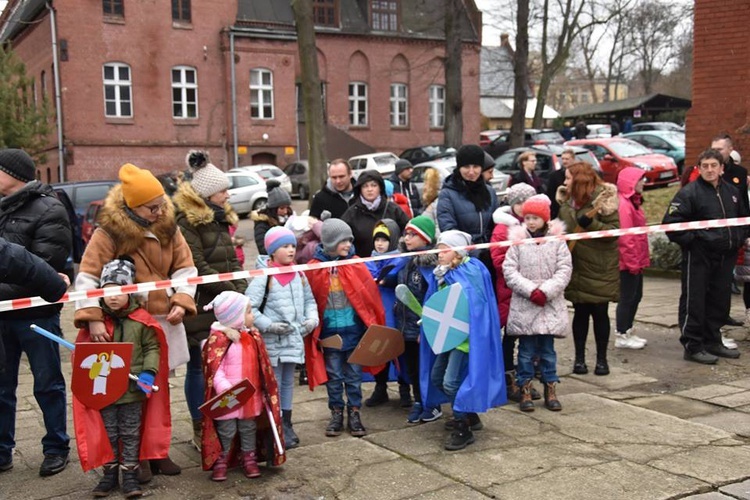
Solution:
(734, 174)
(708, 256)
(33, 217)
(337, 194)
(401, 180)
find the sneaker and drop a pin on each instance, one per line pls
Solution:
(431, 414)
(53, 464)
(625, 341)
(6, 465)
(636, 337)
(728, 342)
(701, 357)
(414, 414)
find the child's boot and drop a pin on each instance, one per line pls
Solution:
(379, 395)
(290, 437)
(109, 480)
(475, 423)
(144, 472)
(550, 397)
(250, 464)
(404, 392)
(354, 422)
(130, 486)
(526, 403)
(336, 424)
(511, 388)
(219, 471)
(197, 433)
(461, 436)
(165, 466)
(602, 367)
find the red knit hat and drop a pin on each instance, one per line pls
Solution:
(537, 205)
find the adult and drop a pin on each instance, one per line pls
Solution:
(488, 168)
(137, 219)
(557, 179)
(527, 173)
(581, 130)
(31, 216)
(614, 127)
(589, 204)
(205, 217)
(277, 211)
(370, 206)
(734, 173)
(338, 192)
(708, 256)
(401, 180)
(430, 192)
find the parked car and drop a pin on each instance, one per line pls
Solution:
(385, 163)
(82, 193)
(298, 175)
(90, 222)
(267, 172)
(426, 153)
(78, 246)
(486, 136)
(532, 137)
(616, 153)
(597, 130)
(247, 192)
(444, 166)
(657, 126)
(666, 142)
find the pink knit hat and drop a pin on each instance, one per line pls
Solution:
(229, 309)
(538, 205)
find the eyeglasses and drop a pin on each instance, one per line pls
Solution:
(155, 209)
(409, 234)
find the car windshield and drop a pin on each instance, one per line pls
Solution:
(383, 161)
(549, 136)
(626, 149)
(676, 138)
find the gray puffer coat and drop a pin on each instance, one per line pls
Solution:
(546, 266)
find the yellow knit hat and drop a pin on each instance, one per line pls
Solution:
(139, 186)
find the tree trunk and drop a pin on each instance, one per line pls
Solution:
(541, 98)
(454, 125)
(312, 102)
(521, 72)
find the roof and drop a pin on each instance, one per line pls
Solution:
(17, 16)
(502, 107)
(496, 77)
(652, 103)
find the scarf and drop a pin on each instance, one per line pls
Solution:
(371, 205)
(284, 278)
(476, 192)
(637, 199)
(220, 215)
(136, 218)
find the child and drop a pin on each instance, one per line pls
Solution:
(470, 376)
(289, 314)
(386, 236)
(234, 351)
(537, 274)
(126, 321)
(348, 303)
(417, 276)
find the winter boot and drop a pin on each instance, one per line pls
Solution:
(130, 487)
(354, 422)
(475, 424)
(302, 375)
(197, 433)
(219, 471)
(336, 424)
(511, 388)
(290, 437)
(461, 436)
(144, 472)
(602, 367)
(379, 395)
(404, 392)
(579, 367)
(250, 464)
(526, 403)
(550, 397)
(109, 480)
(165, 466)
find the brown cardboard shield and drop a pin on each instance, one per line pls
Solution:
(229, 400)
(100, 372)
(378, 345)
(332, 342)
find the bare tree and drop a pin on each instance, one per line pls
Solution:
(454, 124)
(312, 102)
(521, 72)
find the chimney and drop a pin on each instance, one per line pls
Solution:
(504, 39)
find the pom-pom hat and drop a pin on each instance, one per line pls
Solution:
(229, 309)
(277, 237)
(207, 179)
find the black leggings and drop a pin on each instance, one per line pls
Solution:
(599, 313)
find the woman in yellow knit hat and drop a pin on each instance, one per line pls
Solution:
(138, 220)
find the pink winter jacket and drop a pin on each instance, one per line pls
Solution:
(230, 373)
(634, 254)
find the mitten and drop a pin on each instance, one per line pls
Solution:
(146, 382)
(538, 297)
(279, 328)
(561, 195)
(585, 221)
(308, 325)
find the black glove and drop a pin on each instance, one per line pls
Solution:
(585, 221)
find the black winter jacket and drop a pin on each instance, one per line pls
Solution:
(327, 199)
(34, 218)
(410, 191)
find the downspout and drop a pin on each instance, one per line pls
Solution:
(233, 76)
(58, 97)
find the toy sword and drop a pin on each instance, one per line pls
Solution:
(404, 295)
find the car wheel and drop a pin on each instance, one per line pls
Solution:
(302, 193)
(260, 204)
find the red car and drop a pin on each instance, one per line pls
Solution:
(616, 153)
(89, 220)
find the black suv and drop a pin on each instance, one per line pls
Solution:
(532, 137)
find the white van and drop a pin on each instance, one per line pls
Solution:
(385, 163)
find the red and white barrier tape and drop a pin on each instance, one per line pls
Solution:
(9, 305)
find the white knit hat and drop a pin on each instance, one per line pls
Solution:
(207, 179)
(454, 238)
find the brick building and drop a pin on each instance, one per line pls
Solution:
(146, 81)
(721, 71)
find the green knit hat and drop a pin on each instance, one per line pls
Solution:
(424, 227)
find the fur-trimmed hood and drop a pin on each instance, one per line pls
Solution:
(125, 232)
(504, 215)
(606, 201)
(196, 209)
(231, 333)
(555, 227)
(258, 216)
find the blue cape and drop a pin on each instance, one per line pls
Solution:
(484, 385)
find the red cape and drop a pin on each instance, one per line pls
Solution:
(94, 448)
(362, 293)
(213, 352)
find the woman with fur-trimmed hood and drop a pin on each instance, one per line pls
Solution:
(277, 211)
(137, 219)
(205, 216)
(589, 204)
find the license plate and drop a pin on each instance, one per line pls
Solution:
(665, 175)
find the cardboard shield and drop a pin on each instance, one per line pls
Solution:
(445, 319)
(100, 372)
(229, 400)
(378, 345)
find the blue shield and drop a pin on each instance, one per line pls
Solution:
(445, 319)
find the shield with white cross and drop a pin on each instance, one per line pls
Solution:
(445, 319)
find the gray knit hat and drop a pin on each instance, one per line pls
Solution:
(333, 232)
(18, 164)
(207, 179)
(120, 271)
(518, 193)
(455, 238)
(277, 197)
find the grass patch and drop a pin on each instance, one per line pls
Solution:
(655, 202)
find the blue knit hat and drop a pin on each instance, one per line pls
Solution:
(277, 237)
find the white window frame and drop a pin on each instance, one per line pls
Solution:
(261, 94)
(399, 105)
(358, 104)
(118, 85)
(183, 86)
(437, 106)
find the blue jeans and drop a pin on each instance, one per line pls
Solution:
(448, 373)
(194, 384)
(342, 376)
(536, 345)
(285, 378)
(49, 384)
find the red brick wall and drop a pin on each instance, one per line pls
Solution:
(721, 76)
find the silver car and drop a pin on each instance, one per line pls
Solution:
(247, 192)
(268, 172)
